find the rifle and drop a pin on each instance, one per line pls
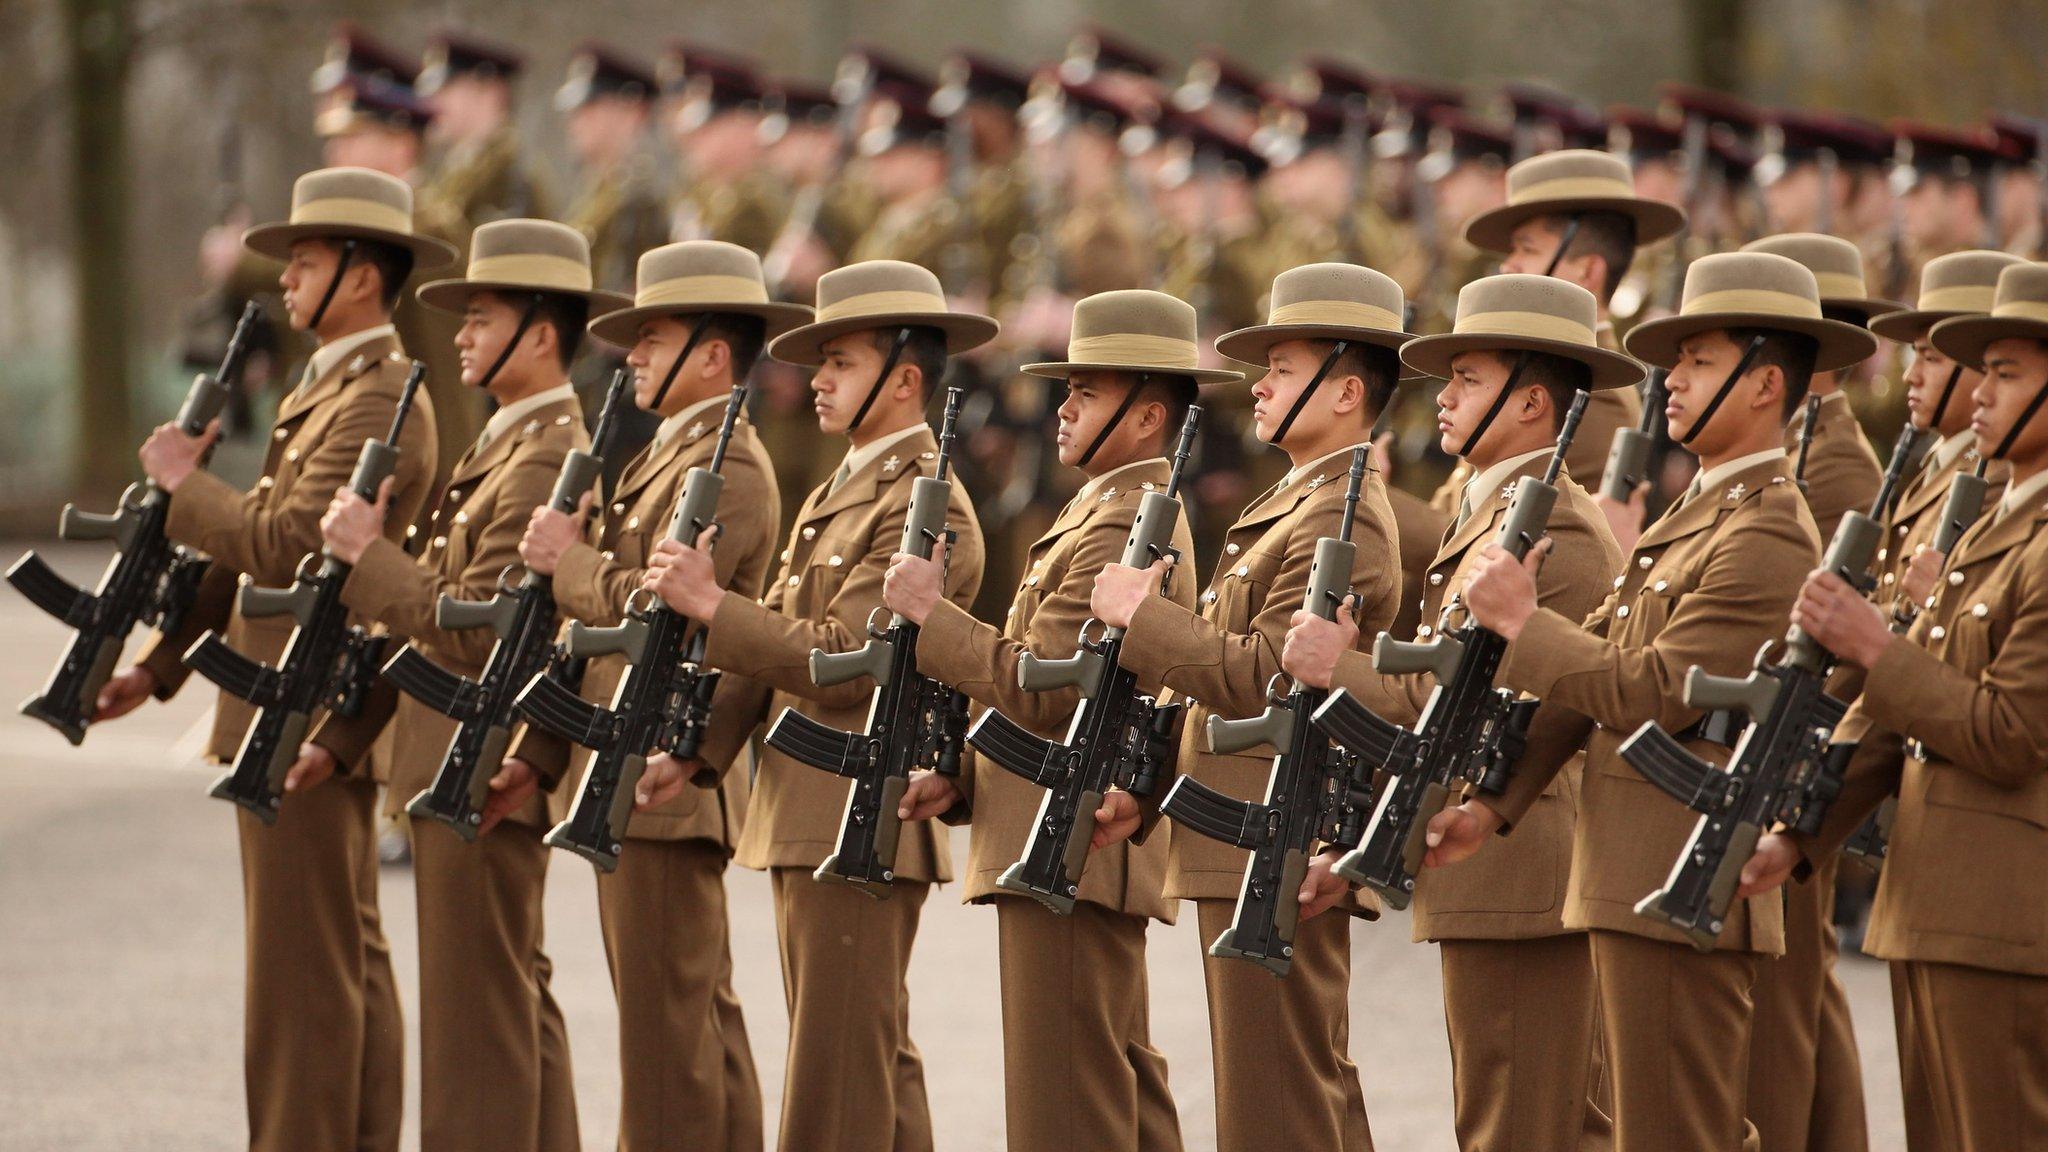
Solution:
(1470, 731)
(150, 580)
(913, 721)
(1784, 769)
(1120, 737)
(1316, 793)
(327, 663)
(664, 699)
(1806, 448)
(524, 617)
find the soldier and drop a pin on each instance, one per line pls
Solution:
(490, 1032)
(1828, 174)
(1079, 1068)
(480, 175)
(2019, 190)
(1128, 73)
(323, 1042)
(1518, 984)
(1222, 91)
(880, 343)
(714, 119)
(607, 101)
(1702, 588)
(903, 150)
(1329, 346)
(699, 321)
(811, 134)
(1946, 205)
(979, 99)
(1952, 717)
(1464, 174)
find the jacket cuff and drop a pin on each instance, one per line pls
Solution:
(203, 503)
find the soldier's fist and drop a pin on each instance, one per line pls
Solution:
(1116, 820)
(913, 585)
(353, 523)
(168, 456)
(1455, 833)
(1314, 644)
(511, 788)
(1119, 590)
(549, 534)
(1501, 595)
(314, 765)
(124, 692)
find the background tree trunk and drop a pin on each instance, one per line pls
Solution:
(98, 40)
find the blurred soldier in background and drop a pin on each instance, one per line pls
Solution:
(2018, 186)
(713, 112)
(478, 174)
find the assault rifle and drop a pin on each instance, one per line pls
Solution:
(1317, 793)
(1119, 738)
(662, 701)
(149, 581)
(1784, 768)
(1470, 732)
(523, 616)
(913, 721)
(327, 663)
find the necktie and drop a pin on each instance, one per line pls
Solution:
(844, 474)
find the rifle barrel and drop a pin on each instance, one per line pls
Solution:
(1565, 434)
(1184, 449)
(733, 406)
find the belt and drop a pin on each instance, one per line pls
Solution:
(1919, 751)
(1721, 726)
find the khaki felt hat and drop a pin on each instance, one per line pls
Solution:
(350, 204)
(519, 258)
(880, 294)
(1513, 312)
(1133, 330)
(1750, 290)
(1568, 181)
(1323, 302)
(2020, 310)
(698, 277)
(1837, 267)
(1958, 284)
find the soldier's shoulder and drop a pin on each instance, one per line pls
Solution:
(380, 373)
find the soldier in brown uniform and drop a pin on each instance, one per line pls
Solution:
(323, 1043)
(1518, 984)
(1284, 1076)
(854, 1079)
(1703, 587)
(903, 151)
(1946, 206)
(700, 319)
(979, 98)
(480, 175)
(1078, 1064)
(714, 119)
(494, 1055)
(607, 101)
(1953, 716)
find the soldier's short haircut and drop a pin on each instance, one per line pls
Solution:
(1379, 368)
(1793, 353)
(1608, 235)
(566, 315)
(1559, 376)
(393, 265)
(1176, 394)
(743, 336)
(926, 349)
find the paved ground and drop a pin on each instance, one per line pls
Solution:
(121, 963)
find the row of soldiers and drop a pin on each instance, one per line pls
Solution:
(1572, 1019)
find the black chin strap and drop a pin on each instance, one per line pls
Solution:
(1116, 417)
(518, 334)
(348, 253)
(1948, 391)
(2012, 436)
(1500, 401)
(1756, 344)
(1301, 401)
(689, 346)
(881, 378)
(1564, 243)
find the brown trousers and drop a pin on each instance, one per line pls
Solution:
(1917, 1095)
(686, 1072)
(1079, 1069)
(1284, 1076)
(1520, 1017)
(494, 1054)
(1676, 1027)
(853, 1082)
(1982, 1038)
(323, 1043)
(1805, 1078)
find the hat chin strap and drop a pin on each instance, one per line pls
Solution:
(348, 253)
(1500, 401)
(525, 321)
(1130, 398)
(1756, 344)
(881, 378)
(1948, 391)
(674, 369)
(1564, 242)
(1301, 401)
(2026, 416)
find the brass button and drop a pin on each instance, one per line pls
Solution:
(455, 496)
(1230, 549)
(618, 509)
(836, 561)
(1980, 611)
(1209, 597)
(1936, 632)
(1618, 581)
(1955, 578)
(1436, 578)
(1644, 562)
(1660, 585)
(792, 581)
(280, 434)
(1891, 578)
(632, 522)
(291, 454)
(1903, 528)
(440, 542)
(1423, 632)
(810, 532)
(785, 556)
(1243, 570)
(462, 517)
(608, 554)
(1621, 613)
(1883, 554)
(265, 484)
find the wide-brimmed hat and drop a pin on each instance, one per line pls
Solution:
(522, 257)
(880, 294)
(1133, 330)
(1750, 290)
(345, 204)
(1837, 267)
(1513, 312)
(696, 277)
(1958, 284)
(2020, 309)
(1323, 302)
(1573, 180)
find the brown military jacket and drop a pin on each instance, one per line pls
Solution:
(1516, 889)
(829, 584)
(1916, 515)
(265, 532)
(1098, 245)
(594, 579)
(747, 212)
(472, 536)
(1708, 584)
(1964, 875)
(1222, 659)
(1045, 619)
(920, 233)
(1421, 526)
(486, 182)
(1842, 472)
(621, 212)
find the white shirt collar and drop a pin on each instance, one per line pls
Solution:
(327, 355)
(1949, 449)
(859, 458)
(507, 418)
(673, 426)
(1095, 486)
(1712, 477)
(1318, 464)
(1479, 489)
(2024, 493)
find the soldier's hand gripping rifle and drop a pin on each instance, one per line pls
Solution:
(1470, 732)
(1119, 738)
(913, 721)
(149, 581)
(523, 616)
(1317, 793)
(327, 663)
(1784, 769)
(662, 701)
